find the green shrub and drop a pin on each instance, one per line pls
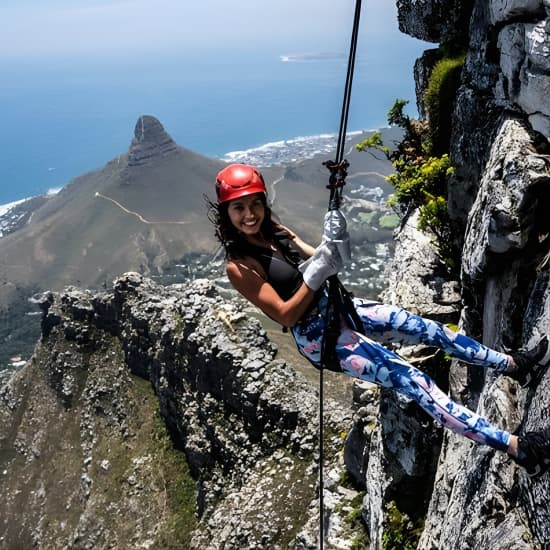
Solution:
(400, 532)
(439, 100)
(434, 216)
(416, 181)
(373, 142)
(396, 116)
(421, 160)
(360, 542)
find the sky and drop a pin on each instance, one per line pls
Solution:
(66, 63)
(34, 28)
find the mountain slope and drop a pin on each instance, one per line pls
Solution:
(145, 211)
(81, 235)
(146, 208)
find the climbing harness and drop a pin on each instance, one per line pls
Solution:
(340, 303)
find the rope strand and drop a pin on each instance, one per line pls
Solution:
(338, 170)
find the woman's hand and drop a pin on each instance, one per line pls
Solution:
(325, 262)
(305, 249)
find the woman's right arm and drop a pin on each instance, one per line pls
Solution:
(247, 280)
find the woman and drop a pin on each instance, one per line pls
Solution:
(285, 277)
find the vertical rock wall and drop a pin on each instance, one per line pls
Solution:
(501, 197)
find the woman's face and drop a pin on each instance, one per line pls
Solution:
(247, 213)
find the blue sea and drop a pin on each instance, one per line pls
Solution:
(64, 117)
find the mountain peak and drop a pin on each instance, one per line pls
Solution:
(150, 141)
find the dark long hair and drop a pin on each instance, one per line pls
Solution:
(233, 242)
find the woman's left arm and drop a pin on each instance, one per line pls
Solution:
(304, 248)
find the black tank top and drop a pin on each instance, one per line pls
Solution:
(281, 269)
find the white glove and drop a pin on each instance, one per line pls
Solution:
(324, 263)
(335, 229)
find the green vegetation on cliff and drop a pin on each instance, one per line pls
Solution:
(439, 102)
(421, 160)
(149, 455)
(400, 532)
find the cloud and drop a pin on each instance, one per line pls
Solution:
(118, 26)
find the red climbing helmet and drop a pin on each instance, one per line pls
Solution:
(238, 180)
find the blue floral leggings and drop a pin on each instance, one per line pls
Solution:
(367, 359)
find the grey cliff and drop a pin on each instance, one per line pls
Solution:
(499, 196)
(81, 469)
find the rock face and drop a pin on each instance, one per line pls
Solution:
(506, 72)
(86, 462)
(438, 21)
(150, 141)
(524, 59)
(506, 302)
(499, 196)
(429, 287)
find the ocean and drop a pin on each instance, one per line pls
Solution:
(64, 117)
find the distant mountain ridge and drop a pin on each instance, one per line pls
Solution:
(77, 235)
(145, 211)
(141, 210)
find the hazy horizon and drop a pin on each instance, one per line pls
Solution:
(76, 78)
(117, 27)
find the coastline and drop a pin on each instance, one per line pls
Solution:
(273, 153)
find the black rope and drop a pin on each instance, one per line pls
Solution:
(349, 82)
(337, 293)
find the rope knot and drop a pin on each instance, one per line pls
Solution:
(338, 173)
